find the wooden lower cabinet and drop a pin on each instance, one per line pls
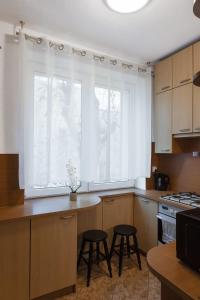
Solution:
(14, 264)
(145, 221)
(89, 219)
(117, 210)
(53, 253)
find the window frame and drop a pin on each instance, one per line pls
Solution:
(37, 68)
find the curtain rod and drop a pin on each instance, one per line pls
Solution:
(96, 56)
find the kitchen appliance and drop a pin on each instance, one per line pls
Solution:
(188, 237)
(187, 198)
(161, 181)
(167, 223)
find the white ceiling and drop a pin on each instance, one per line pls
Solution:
(159, 29)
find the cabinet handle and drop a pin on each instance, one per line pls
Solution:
(145, 200)
(165, 88)
(185, 130)
(185, 80)
(165, 150)
(66, 217)
(110, 200)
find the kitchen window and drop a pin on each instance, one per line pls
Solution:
(96, 116)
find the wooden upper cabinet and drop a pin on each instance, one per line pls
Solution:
(14, 264)
(53, 253)
(196, 109)
(182, 109)
(163, 122)
(196, 57)
(163, 76)
(183, 67)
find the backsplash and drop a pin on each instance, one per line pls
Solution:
(182, 168)
(10, 194)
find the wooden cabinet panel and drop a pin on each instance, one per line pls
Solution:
(14, 265)
(89, 219)
(53, 253)
(117, 210)
(163, 75)
(163, 122)
(196, 109)
(145, 221)
(182, 67)
(196, 57)
(182, 109)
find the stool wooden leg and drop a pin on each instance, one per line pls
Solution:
(128, 246)
(81, 253)
(89, 263)
(107, 257)
(137, 251)
(113, 245)
(121, 253)
(97, 253)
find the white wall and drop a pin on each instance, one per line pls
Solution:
(8, 106)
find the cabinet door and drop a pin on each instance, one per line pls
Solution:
(182, 67)
(145, 221)
(14, 264)
(53, 253)
(116, 211)
(163, 75)
(163, 122)
(182, 109)
(196, 109)
(196, 57)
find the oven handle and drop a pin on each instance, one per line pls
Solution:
(166, 218)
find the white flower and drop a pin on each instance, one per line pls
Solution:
(72, 182)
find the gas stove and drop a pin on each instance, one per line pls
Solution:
(187, 198)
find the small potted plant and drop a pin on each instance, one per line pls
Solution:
(73, 182)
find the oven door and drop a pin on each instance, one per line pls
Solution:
(166, 229)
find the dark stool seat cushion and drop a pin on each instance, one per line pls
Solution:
(94, 235)
(125, 230)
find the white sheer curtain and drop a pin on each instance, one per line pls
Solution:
(76, 108)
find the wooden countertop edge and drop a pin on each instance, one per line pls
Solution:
(166, 281)
(30, 215)
(31, 209)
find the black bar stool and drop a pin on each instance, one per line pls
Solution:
(94, 236)
(125, 231)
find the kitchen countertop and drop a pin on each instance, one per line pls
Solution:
(49, 205)
(182, 280)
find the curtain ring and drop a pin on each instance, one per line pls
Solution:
(113, 62)
(51, 44)
(39, 40)
(61, 47)
(83, 53)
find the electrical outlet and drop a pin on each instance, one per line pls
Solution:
(154, 169)
(195, 154)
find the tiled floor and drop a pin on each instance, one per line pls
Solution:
(132, 285)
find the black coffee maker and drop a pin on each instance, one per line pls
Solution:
(161, 181)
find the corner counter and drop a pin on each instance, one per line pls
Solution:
(178, 282)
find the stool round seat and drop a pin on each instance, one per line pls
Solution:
(95, 235)
(125, 230)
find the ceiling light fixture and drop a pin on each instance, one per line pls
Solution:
(126, 6)
(196, 8)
